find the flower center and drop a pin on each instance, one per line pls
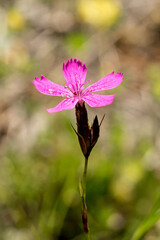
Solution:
(76, 88)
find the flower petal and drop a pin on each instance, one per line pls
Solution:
(107, 82)
(97, 100)
(47, 87)
(66, 104)
(75, 73)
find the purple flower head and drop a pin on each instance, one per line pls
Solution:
(73, 91)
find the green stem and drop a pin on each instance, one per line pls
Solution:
(85, 176)
(83, 196)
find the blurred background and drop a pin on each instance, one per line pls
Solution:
(40, 158)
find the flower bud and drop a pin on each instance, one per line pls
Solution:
(87, 135)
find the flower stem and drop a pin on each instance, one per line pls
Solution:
(83, 197)
(85, 176)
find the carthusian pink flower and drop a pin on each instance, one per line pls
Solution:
(73, 91)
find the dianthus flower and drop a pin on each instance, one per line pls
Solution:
(73, 91)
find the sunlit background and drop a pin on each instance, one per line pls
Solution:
(40, 159)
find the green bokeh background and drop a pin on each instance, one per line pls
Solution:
(40, 159)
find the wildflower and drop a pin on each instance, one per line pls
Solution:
(76, 96)
(75, 73)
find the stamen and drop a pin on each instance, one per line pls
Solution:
(85, 83)
(70, 86)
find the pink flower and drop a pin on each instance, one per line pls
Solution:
(73, 91)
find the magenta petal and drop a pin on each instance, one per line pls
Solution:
(75, 73)
(97, 100)
(66, 104)
(109, 81)
(47, 87)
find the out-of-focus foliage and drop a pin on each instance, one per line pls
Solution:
(153, 72)
(15, 20)
(75, 41)
(40, 160)
(99, 13)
